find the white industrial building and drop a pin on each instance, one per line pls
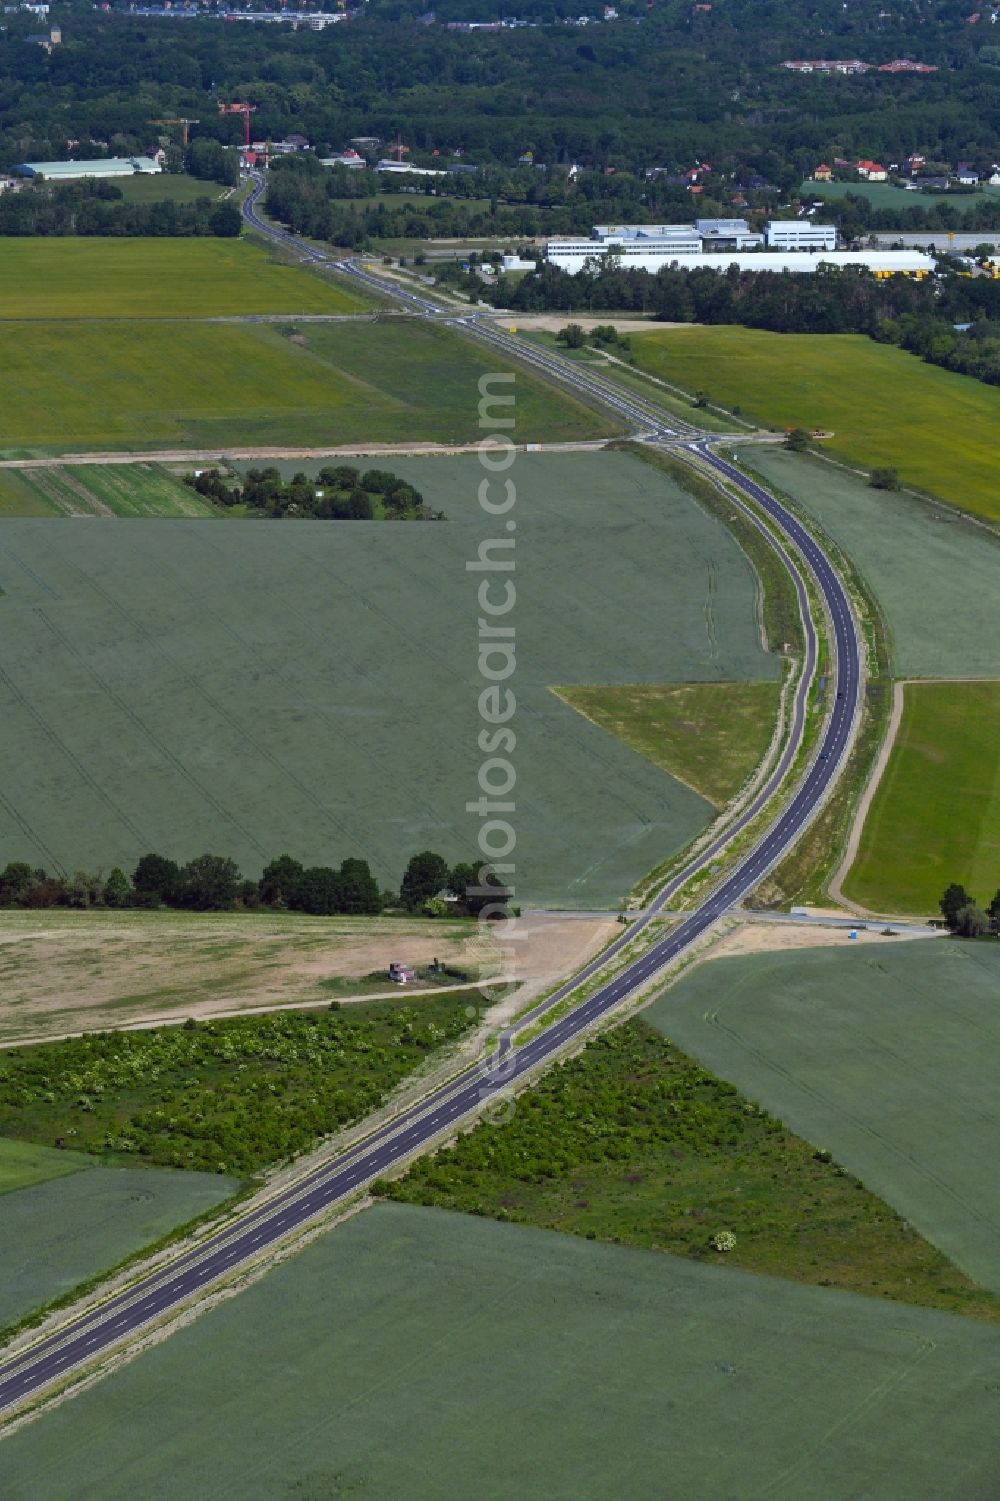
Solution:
(111, 166)
(399, 168)
(800, 234)
(727, 234)
(683, 237)
(572, 255)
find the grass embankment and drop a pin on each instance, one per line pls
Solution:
(22, 1164)
(883, 406)
(137, 385)
(935, 817)
(158, 278)
(224, 1096)
(710, 736)
(886, 1055)
(635, 1143)
(126, 490)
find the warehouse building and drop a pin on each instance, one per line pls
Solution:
(800, 234)
(111, 166)
(572, 256)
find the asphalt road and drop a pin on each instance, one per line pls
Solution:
(46, 1363)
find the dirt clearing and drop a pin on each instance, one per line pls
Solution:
(83, 971)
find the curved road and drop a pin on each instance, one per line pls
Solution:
(43, 1365)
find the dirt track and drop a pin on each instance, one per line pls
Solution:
(220, 455)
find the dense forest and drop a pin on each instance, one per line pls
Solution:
(666, 86)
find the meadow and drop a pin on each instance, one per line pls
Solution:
(58, 1234)
(137, 385)
(886, 195)
(621, 1374)
(99, 490)
(168, 187)
(919, 560)
(935, 816)
(310, 687)
(710, 736)
(635, 1143)
(67, 278)
(885, 1057)
(884, 407)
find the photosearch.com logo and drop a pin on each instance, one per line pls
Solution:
(495, 805)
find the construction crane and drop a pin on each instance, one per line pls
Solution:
(244, 109)
(184, 123)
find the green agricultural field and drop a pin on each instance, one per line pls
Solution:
(232, 1095)
(99, 490)
(61, 1233)
(710, 736)
(885, 1056)
(311, 686)
(167, 187)
(23, 1164)
(419, 1354)
(883, 406)
(935, 817)
(147, 385)
(886, 195)
(72, 278)
(934, 575)
(635, 1143)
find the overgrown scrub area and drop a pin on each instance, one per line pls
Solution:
(223, 1096)
(635, 1143)
(779, 603)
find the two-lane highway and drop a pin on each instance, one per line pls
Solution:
(71, 1349)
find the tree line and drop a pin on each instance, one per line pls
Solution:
(338, 493)
(213, 883)
(964, 916)
(99, 208)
